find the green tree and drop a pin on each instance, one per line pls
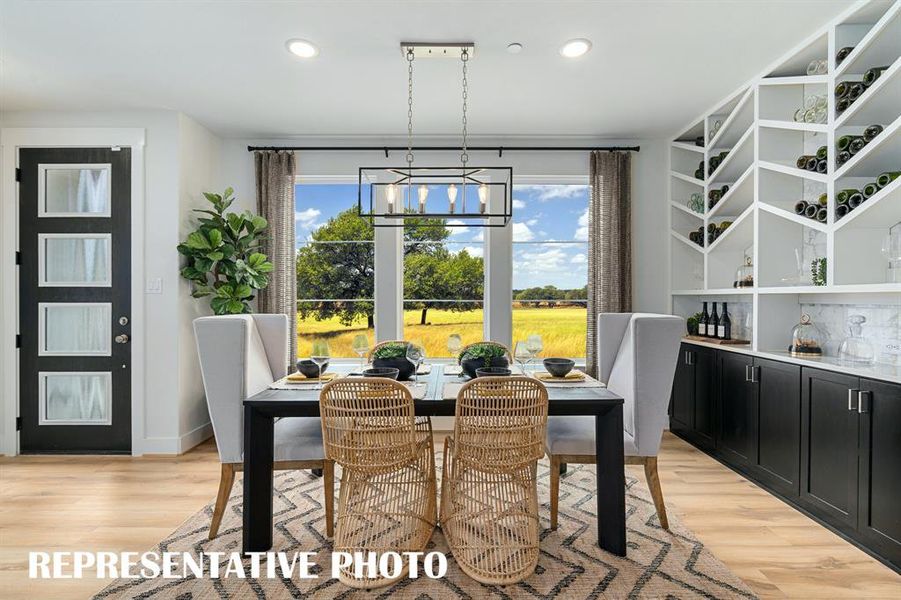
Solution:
(442, 274)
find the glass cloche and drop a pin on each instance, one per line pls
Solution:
(744, 275)
(807, 339)
(855, 348)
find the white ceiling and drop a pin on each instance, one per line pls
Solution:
(655, 63)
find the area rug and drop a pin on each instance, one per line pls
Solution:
(660, 564)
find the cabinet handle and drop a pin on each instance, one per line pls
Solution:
(754, 374)
(864, 394)
(747, 373)
(688, 361)
(851, 405)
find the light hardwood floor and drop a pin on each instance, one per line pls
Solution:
(125, 504)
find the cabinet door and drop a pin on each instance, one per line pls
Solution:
(778, 424)
(704, 361)
(880, 474)
(738, 409)
(683, 391)
(829, 444)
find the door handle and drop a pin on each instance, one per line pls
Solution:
(122, 339)
(851, 405)
(861, 395)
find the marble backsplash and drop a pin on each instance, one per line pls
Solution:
(882, 329)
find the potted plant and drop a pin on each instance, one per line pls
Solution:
(482, 355)
(393, 355)
(222, 255)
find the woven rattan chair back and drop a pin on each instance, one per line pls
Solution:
(368, 423)
(487, 343)
(382, 345)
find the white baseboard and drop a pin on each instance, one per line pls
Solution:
(180, 445)
(195, 437)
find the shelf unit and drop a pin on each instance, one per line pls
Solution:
(763, 140)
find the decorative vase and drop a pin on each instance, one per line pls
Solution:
(470, 365)
(403, 366)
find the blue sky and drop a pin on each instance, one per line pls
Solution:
(541, 214)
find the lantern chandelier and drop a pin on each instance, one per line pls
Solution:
(461, 195)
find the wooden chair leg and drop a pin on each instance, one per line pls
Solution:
(555, 489)
(650, 473)
(226, 479)
(328, 486)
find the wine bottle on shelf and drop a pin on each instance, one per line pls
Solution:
(842, 89)
(841, 210)
(842, 104)
(800, 207)
(811, 163)
(724, 331)
(822, 166)
(844, 142)
(702, 324)
(710, 238)
(714, 196)
(870, 77)
(856, 145)
(870, 189)
(886, 178)
(801, 163)
(842, 157)
(810, 211)
(855, 200)
(823, 199)
(822, 153)
(822, 214)
(856, 90)
(714, 324)
(723, 190)
(871, 132)
(842, 54)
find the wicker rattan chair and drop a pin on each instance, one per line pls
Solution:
(387, 500)
(489, 496)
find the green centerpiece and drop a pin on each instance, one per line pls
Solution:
(482, 355)
(393, 355)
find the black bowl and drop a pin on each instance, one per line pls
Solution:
(492, 372)
(559, 367)
(308, 368)
(386, 372)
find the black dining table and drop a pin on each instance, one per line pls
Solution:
(261, 410)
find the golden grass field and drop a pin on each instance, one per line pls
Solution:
(561, 329)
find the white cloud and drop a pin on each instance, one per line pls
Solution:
(457, 230)
(582, 229)
(554, 192)
(306, 218)
(522, 233)
(476, 251)
(518, 204)
(532, 222)
(580, 259)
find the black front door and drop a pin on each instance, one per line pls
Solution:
(75, 299)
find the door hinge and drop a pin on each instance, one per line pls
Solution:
(18, 423)
(18, 257)
(18, 340)
(18, 174)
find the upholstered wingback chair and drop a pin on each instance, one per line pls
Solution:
(637, 355)
(241, 355)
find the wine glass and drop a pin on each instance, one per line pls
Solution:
(415, 354)
(534, 344)
(360, 345)
(522, 355)
(320, 354)
(454, 344)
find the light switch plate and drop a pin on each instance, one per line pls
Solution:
(154, 286)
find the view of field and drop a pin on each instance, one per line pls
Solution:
(561, 328)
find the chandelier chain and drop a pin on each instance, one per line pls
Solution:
(410, 57)
(464, 57)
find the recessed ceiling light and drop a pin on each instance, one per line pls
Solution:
(575, 48)
(514, 48)
(302, 48)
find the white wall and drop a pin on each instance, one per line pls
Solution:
(180, 156)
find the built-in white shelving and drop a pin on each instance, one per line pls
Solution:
(757, 127)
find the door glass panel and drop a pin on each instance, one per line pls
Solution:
(75, 259)
(74, 329)
(74, 190)
(70, 398)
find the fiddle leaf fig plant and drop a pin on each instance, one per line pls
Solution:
(223, 258)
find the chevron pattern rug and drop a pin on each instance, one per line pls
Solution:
(660, 564)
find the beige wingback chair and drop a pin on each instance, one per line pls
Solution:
(240, 355)
(637, 355)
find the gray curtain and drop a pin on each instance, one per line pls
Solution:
(275, 172)
(609, 241)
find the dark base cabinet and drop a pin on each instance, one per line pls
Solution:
(825, 442)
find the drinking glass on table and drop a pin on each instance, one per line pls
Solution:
(522, 355)
(360, 345)
(534, 344)
(454, 344)
(415, 354)
(320, 354)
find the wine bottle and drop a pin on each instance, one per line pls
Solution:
(855, 200)
(822, 166)
(842, 54)
(856, 145)
(714, 196)
(810, 211)
(841, 105)
(723, 190)
(870, 77)
(842, 157)
(724, 331)
(871, 132)
(705, 319)
(710, 238)
(842, 196)
(811, 163)
(822, 214)
(844, 142)
(801, 163)
(886, 178)
(711, 227)
(714, 324)
(822, 152)
(870, 189)
(842, 89)
(856, 90)
(823, 199)
(800, 207)
(699, 174)
(841, 210)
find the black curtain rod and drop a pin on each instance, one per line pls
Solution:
(499, 149)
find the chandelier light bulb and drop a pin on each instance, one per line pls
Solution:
(451, 197)
(423, 194)
(391, 195)
(483, 197)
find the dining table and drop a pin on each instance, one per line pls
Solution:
(302, 400)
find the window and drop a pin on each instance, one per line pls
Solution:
(335, 268)
(443, 280)
(550, 266)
